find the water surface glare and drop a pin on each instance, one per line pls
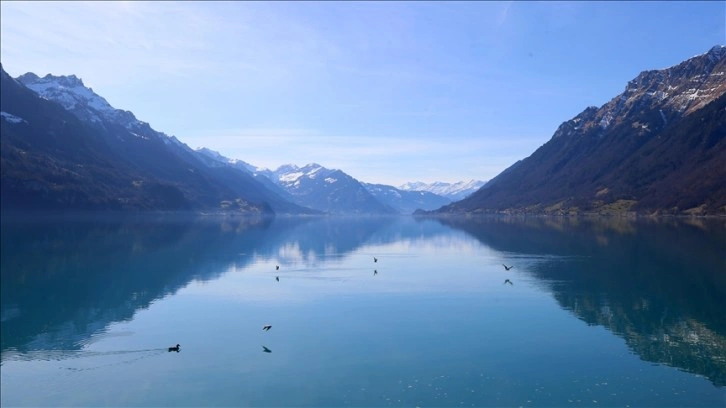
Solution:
(595, 312)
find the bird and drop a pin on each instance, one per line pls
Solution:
(266, 350)
(266, 328)
(375, 272)
(508, 281)
(174, 348)
(277, 267)
(507, 267)
(375, 259)
(277, 278)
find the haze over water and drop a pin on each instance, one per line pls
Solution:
(600, 312)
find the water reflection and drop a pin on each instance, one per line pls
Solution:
(65, 279)
(660, 285)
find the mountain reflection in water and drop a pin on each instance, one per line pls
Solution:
(66, 278)
(659, 284)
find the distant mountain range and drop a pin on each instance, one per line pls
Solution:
(406, 201)
(66, 148)
(333, 191)
(452, 191)
(327, 190)
(657, 148)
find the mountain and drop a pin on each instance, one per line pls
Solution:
(215, 159)
(65, 147)
(327, 190)
(453, 191)
(673, 327)
(406, 202)
(287, 182)
(657, 148)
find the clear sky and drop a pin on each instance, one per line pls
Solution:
(388, 92)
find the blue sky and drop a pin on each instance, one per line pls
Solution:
(388, 92)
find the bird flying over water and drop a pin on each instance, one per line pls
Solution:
(277, 278)
(266, 350)
(375, 259)
(508, 281)
(277, 267)
(266, 328)
(507, 267)
(375, 272)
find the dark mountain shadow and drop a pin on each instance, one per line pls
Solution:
(660, 285)
(76, 275)
(65, 277)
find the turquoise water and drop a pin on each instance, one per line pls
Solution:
(606, 312)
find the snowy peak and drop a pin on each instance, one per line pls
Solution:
(672, 93)
(406, 202)
(212, 154)
(328, 190)
(70, 92)
(85, 104)
(413, 186)
(216, 160)
(290, 175)
(656, 148)
(452, 191)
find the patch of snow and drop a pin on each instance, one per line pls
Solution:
(605, 121)
(70, 94)
(330, 180)
(413, 186)
(312, 173)
(290, 177)
(445, 189)
(140, 136)
(12, 118)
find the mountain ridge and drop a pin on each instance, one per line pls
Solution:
(142, 161)
(329, 190)
(656, 148)
(453, 191)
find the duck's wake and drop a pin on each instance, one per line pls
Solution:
(83, 357)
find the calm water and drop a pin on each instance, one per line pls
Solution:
(599, 312)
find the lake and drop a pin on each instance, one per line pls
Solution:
(595, 312)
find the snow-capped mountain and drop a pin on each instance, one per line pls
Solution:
(673, 92)
(160, 172)
(453, 191)
(80, 100)
(70, 92)
(658, 147)
(216, 159)
(328, 190)
(406, 202)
